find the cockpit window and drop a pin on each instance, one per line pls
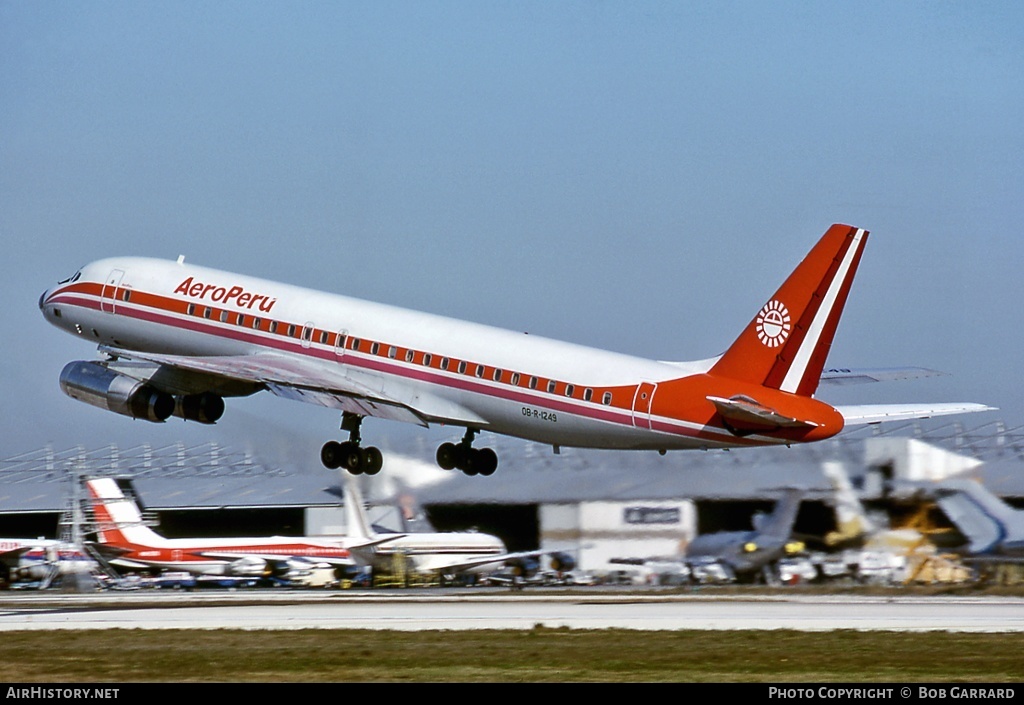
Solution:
(73, 278)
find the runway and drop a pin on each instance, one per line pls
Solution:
(404, 611)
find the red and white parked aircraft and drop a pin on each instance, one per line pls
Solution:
(178, 338)
(124, 536)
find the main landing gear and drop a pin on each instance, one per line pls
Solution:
(349, 454)
(470, 460)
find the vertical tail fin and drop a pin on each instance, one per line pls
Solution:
(852, 522)
(785, 345)
(118, 519)
(357, 525)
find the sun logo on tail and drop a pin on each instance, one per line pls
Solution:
(773, 324)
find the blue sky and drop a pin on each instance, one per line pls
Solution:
(634, 176)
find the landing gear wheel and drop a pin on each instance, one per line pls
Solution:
(330, 455)
(470, 465)
(447, 455)
(486, 461)
(470, 460)
(372, 460)
(351, 457)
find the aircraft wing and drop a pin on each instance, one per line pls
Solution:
(11, 556)
(854, 415)
(847, 375)
(337, 387)
(468, 564)
(363, 553)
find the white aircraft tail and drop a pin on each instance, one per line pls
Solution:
(357, 523)
(852, 521)
(118, 519)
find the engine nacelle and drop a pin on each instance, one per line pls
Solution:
(562, 562)
(249, 567)
(96, 384)
(523, 566)
(204, 408)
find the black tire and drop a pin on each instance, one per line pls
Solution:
(447, 455)
(330, 455)
(373, 460)
(352, 458)
(486, 461)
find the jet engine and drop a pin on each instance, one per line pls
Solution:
(562, 562)
(249, 567)
(96, 384)
(204, 408)
(523, 566)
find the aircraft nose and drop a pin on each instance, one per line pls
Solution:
(42, 298)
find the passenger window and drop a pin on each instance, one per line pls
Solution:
(223, 316)
(533, 382)
(588, 394)
(607, 398)
(324, 337)
(241, 319)
(515, 379)
(551, 386)
(479, 370)
(427, 357)
(569, 389)
(462, 367)
(208, 312)
(444, 363)
(497, 375)
(374, 348)
(392, 352)
(409, 354)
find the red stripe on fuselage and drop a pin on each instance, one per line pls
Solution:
(169, 311)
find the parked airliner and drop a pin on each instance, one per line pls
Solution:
(178, 338)
(444, 554)
(129, 543)
(41, 560)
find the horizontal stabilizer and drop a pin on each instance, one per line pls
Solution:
(744, 414)
(877, 413)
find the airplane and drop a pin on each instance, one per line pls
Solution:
(854, 528)
(123, 535)
(179, 338)
(41, 561)
(445, 554)
(749, 555)
(992, 528)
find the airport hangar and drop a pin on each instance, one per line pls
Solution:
(599, 505)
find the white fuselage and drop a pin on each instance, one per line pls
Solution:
(450, 371)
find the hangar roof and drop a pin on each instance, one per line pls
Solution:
(209, 476)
